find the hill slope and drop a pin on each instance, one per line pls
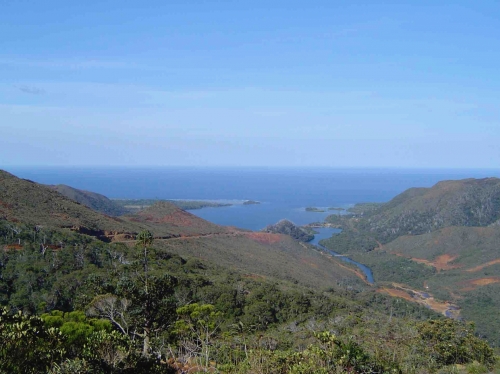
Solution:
(35, 204)
(94, 201)
(166, 219)
(468, 202)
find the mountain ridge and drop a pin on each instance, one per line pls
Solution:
(467, 202)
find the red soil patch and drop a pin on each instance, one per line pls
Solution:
(437, 306)
(486, 281)
(475, 283)
(440, 263)
(5, 205)
(396, 293)
(480, 267)
(254, 276)
(419, 297)
(17, 247)
(380, 246)
(263, 237)
(63, 216)
(311, 264)
(178, 218)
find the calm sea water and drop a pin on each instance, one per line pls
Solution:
(283, 193)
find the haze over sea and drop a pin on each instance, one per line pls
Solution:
(283, 192)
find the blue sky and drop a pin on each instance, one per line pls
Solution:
(258, 83)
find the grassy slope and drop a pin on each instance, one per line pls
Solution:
(265, 254)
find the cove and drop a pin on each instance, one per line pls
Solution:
(325, 233)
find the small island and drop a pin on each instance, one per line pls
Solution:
(135, 205)
(336, 208)
(314, 209)
(251, 202)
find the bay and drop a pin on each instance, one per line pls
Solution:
(284, 193)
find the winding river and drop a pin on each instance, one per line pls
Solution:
(327, 232)
(451, 310)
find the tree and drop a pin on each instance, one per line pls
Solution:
(112, 308)
(151, 310)
(448, 342)
(197, 326)
(145, 240)
(27, 344)
(76, 328)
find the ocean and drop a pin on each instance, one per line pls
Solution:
(283, 193)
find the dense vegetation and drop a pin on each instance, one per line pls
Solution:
(116, 308)
(363, 208)
(349, 241)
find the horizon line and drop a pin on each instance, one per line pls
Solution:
(252, 167)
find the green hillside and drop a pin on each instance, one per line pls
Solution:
(469, 202)
(95, 201)
(441, 241)
(26, 202)
(259, 322)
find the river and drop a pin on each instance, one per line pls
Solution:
(325, 233)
